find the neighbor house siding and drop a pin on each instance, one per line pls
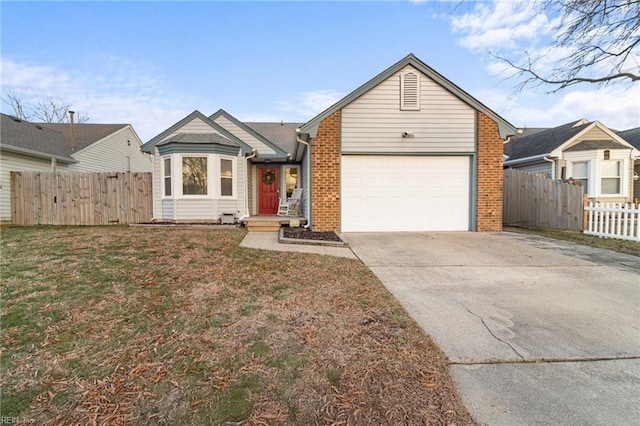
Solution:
(9, 162)
(539, 168)
(118, 152)
(245, 136)
(489, 176)
(375, 123)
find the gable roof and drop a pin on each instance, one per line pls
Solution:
(148, 146)
(281, 134)
(85, 134)
(33, 139)
(222, 113)
(632, 136)
(542, 143)
(505, 128)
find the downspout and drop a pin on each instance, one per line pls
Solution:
(553, 166)
(308, 168)
(246, 185)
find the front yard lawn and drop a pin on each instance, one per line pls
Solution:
(117, 325)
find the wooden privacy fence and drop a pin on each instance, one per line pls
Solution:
(45, 198)
(612, 220)
(531, 200)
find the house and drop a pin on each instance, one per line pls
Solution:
(582, 150)
(633, 137)
(406, 151)
(27, 146)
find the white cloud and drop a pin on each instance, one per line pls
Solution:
(501, 25)
(309, 104)
(121, 92)
(617, 108)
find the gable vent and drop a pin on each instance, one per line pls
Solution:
(410, 92)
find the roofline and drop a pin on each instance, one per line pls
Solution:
(37, 154)
(505, 128)
(124, 127)
(247, 129)
(148, 146)
(593, 124)
(530, 159)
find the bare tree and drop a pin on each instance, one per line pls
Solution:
(597, 42)
(45, 108)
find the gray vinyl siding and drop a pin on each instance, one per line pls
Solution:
(250, 187)
(168, 209)
(374, 121)
(245, 136)
(158, 211)
(9, 162)
(110, 155)
(538, 168)
(194, 126)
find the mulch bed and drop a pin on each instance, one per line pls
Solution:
(305, 234)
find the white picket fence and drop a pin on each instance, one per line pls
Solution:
(612, 220)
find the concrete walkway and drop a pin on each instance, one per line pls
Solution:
(538, 332)
(269, 241)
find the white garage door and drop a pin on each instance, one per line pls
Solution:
(402, 193)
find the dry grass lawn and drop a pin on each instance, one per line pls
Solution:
(117, 325)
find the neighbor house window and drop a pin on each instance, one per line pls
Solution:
(290, 179)
(581, 172)
(226, 178)
(167, 176)
(610, 177)
(194, 175)
(410, 92)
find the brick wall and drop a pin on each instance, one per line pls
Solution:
(490, 175)
(325, 175)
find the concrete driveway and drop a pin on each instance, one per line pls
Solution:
(538, 332)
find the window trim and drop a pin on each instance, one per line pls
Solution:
(164, 176)
(618, 177)
(234, 177)
(208, 184)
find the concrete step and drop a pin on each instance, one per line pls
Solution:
(263, 226)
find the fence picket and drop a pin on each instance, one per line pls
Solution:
(612, 220)
(46, 198)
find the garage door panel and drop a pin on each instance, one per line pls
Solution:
(405, 193)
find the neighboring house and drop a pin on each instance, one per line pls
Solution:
(26, 146)
(633, 137)
(582, 150)
(407, 151)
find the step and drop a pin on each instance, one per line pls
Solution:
(263, 227)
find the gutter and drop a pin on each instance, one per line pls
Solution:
(553, 166)
(527, 159)
(308, 167)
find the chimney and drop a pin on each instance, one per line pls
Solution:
(72, 141)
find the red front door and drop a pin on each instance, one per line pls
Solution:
(268, 190)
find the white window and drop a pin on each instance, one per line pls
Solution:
(410, 92)
(166, 172)
(610, 177)
(226, 177)
(581, 172)
(290, 179)
(194, 175)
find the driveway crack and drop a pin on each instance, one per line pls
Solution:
(490, 331)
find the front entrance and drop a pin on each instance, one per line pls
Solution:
(268, 185)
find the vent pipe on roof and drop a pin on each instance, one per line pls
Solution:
(72, 141)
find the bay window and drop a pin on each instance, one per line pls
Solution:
(226, 177)
(581, 172)
(167, 176)
(194, 175)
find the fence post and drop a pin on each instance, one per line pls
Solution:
(584, 212)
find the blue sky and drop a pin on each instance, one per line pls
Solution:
(152, 63)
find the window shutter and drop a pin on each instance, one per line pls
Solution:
(410, 92)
